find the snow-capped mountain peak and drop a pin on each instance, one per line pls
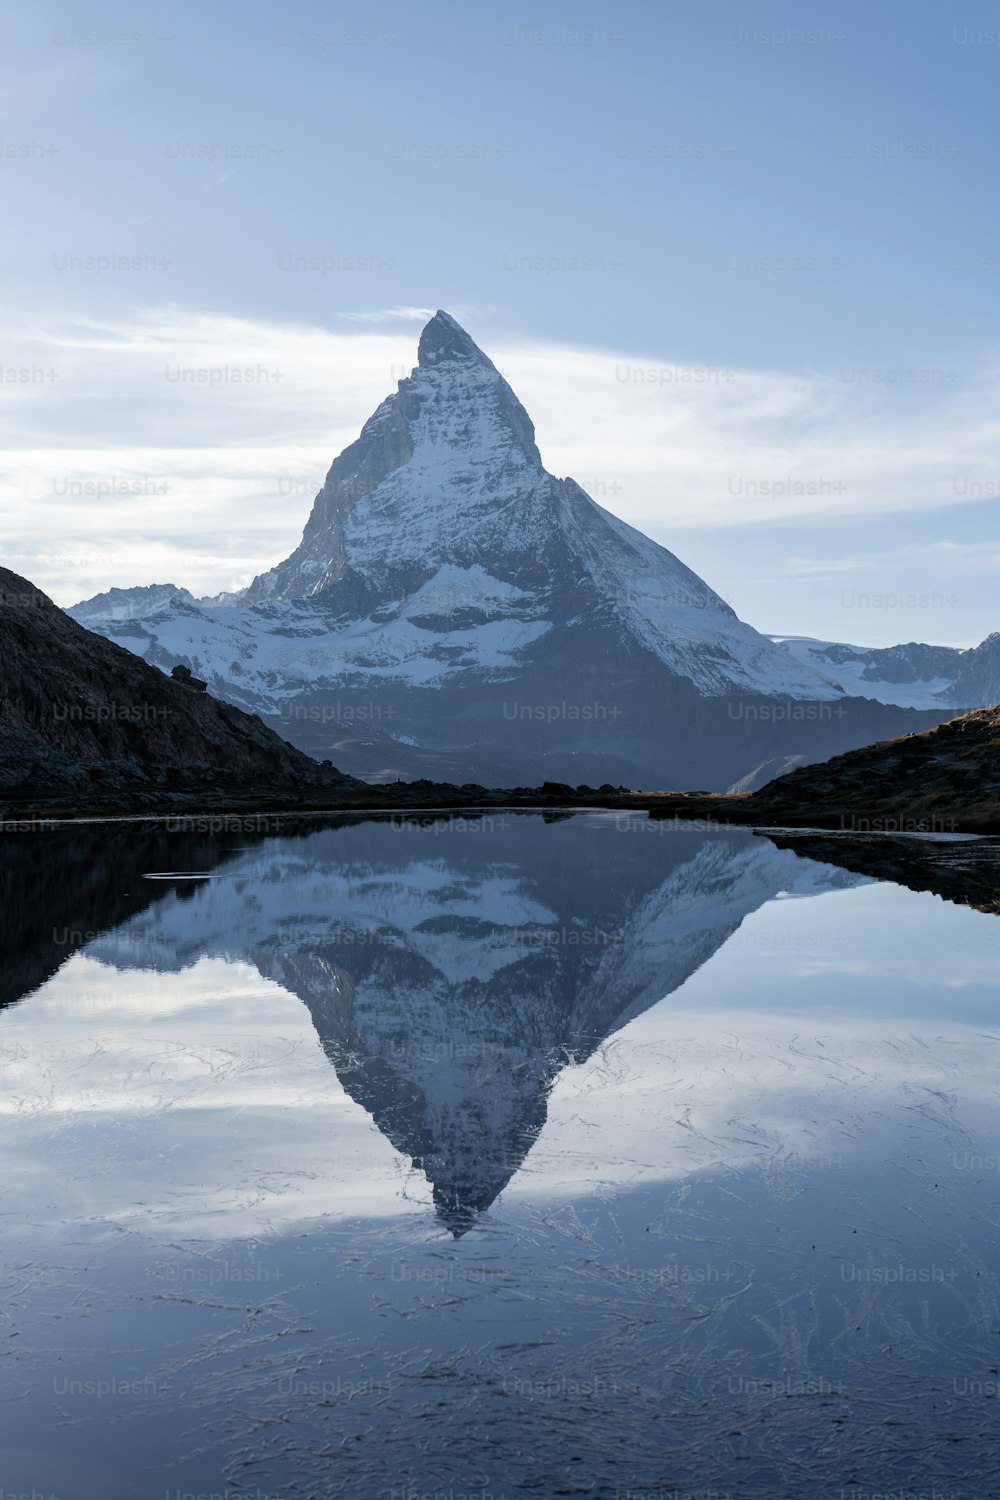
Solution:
(446, 485)
(465, 597)
(444, 341)
(431, 480)
(131, 604)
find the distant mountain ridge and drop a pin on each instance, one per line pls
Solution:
(132, 604)
(454, 609)
(913, 675)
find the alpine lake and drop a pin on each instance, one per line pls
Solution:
(477, 1156)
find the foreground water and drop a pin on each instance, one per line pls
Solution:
(545, 1155)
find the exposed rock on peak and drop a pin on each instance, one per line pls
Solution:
(460, 599)
(129, 604)
(445, 341)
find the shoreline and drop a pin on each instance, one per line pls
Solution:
(699, 811)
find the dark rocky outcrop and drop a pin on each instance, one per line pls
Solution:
(80, 715)
(184, 674)
(940, 781)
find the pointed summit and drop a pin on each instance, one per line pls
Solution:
(478, 603)
(444, 341)
(422, 487)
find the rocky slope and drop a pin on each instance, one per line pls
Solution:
(81, 715)
(84, 721)
(977, 681)
(939, 781)
(454, 610)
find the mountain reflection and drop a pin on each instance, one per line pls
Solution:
(452, 967)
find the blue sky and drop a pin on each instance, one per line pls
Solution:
(787, 213)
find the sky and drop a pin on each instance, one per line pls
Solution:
(739, 261)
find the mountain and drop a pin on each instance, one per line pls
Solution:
(454, 610)
(80, 714)
(452, 976)
(911, 676)
(945, 779)
(131, 604)
(977, 682)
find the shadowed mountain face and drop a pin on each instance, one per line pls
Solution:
(452, 968)
(978, 679)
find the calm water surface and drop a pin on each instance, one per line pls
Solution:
(522, 1155)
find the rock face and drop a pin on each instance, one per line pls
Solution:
(129, 604)
(441, 516)
(978, 678)
(455, 611)
(943, 779)
(78, 713)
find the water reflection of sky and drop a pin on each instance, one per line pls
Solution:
(807, 999)
(736, 1205)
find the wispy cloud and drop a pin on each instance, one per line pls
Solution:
(969, 556)
(240, 419)
(390, 315)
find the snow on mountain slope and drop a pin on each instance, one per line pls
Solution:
(263, 656)
(977, 684)
(668, 609)
(439, 545)
(130, 604)
(910, 676)
(445, 480)
(459, 598)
